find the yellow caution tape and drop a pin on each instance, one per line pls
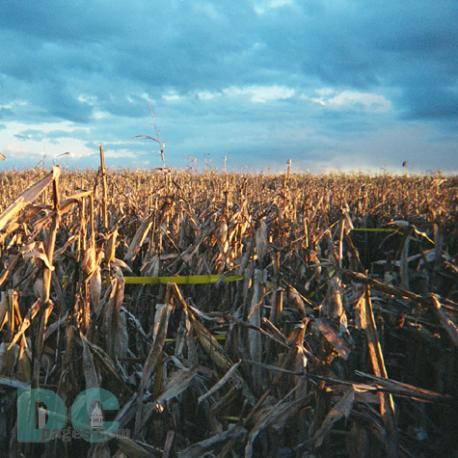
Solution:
(182, 279)
(373, 229)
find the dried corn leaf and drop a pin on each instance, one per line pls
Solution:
(333, 337)
(221, 382)
(341, 410)
(199, 449)
(27, 197)
(90, 372)
(178, 383)
(275, 416)
(450, 327)
(138, 239)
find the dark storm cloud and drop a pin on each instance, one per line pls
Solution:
(191, 45)
(412, 46)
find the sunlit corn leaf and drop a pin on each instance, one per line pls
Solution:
(138, 239)
(27, 197)
(333, 337)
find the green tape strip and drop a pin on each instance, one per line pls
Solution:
(182, 279)
(373, 229)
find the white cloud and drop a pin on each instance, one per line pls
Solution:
(260, 94)
(207, 95)
(13, 104)
(100, 115)
(147, 97)
(87, 99)
(171, 96)
(14, 147)
(255, 94)
(366, 101)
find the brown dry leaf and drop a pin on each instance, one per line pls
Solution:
(8, 359)
(211, 345)
(360, 311)
(26, 322)
(295, 299)
(254, 337)
(209, 445)
(136, 449)
(333, 305)
(99, 451)
(37, 250)
(177, 383)
(341, 410)
(221, 235)
(119, 263)
(161, 321)
(27, 197)
(450, 327)
(107, 365)
(10, 266)
(90, 261)
(205, 337)
(115, 322)
(221, 382)
(90, 372)
(387, 408)
(95, 288)
(261, 239)
(333, 337)
(138, 239)
(13, 312)
(110, 246)
(3, 309)
(405, 389)
(275, 416)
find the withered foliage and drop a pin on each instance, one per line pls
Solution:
(341, 339)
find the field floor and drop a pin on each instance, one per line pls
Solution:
(228, 315)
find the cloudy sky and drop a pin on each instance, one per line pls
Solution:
(329, 83)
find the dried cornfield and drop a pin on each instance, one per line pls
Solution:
(338, 339)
